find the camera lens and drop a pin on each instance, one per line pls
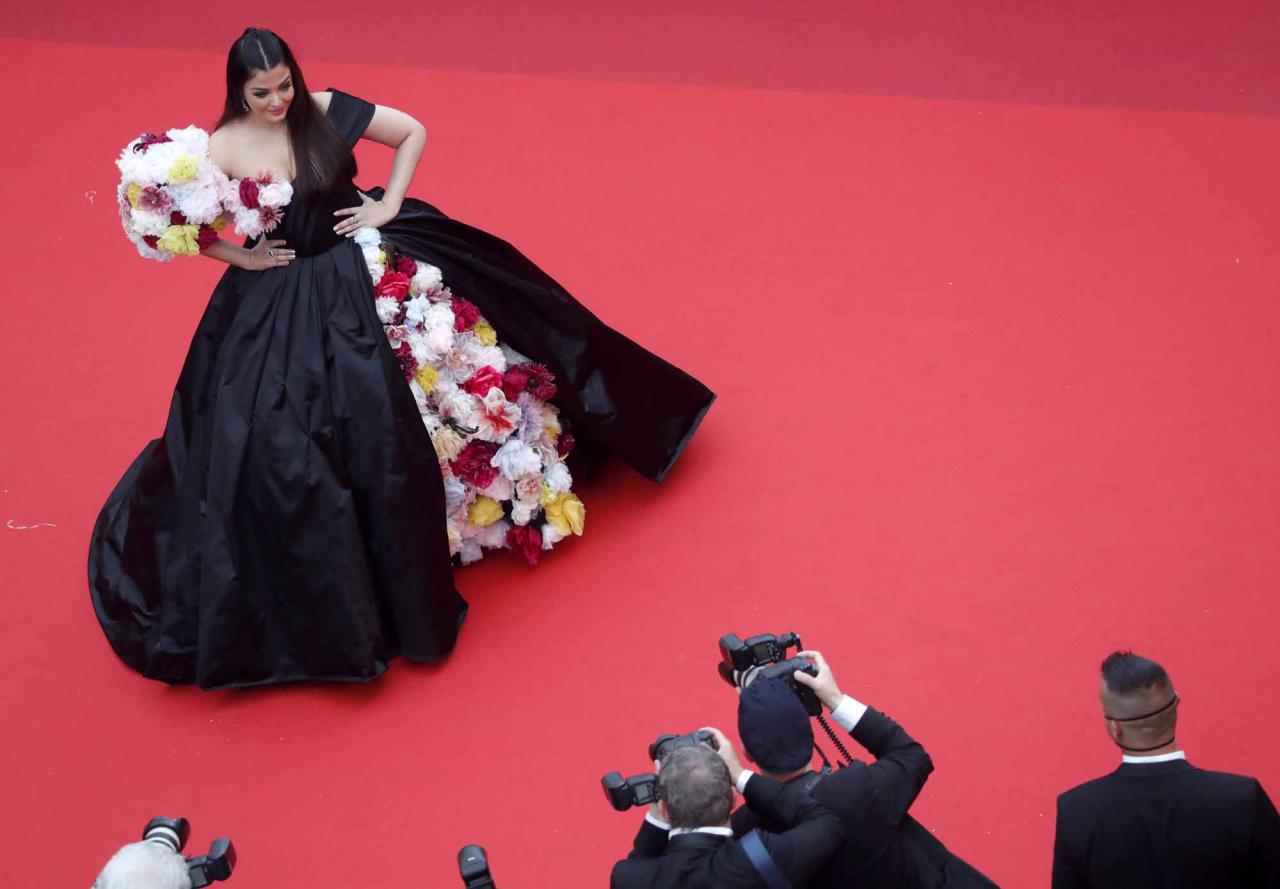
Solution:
(173, 832)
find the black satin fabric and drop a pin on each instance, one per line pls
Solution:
(289, 524)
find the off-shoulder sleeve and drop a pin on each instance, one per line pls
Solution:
(349, 115)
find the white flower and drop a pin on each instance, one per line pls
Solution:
(415, 311)
(455, 495)
(535, 417)
(470, 552)
(515, 458)
(428, 279)
(558, 478)
(512, 356)
(492, 356)
(277, 194)
(550, 536)
(457, 405)
(455, 537)
(464, 358)
(496, 418)
(522, 512)
(368, 238)
(388, 309)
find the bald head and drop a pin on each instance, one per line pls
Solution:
(1138, 700)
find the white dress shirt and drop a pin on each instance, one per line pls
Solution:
(1146, 760)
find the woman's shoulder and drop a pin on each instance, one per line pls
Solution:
(323, 98)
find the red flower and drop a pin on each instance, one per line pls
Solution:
(406, 266)
(482, 381)
(206, 237)
(472, 465)
(515, 381)
(542, 382)
(526, 541)
(176, 218)
(146, 140)
(565, 443)
(393, 284)
(404, 354)
(465, 314)
(249, 193)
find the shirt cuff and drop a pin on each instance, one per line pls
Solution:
(656, 821)
(849, 713)
(743, 779)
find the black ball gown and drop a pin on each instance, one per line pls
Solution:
(290, 523)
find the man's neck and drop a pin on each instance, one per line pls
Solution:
(1171, 746)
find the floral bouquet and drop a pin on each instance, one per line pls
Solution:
(174, 200)
(170, 193)
(500, 443)
(257, 203)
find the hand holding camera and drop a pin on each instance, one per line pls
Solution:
(823, 683)
(725, 748)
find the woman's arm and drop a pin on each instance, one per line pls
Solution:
(262, 256)
(400, 131)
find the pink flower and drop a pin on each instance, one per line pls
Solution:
(565, 443)
(482, 381)
(270, 217)
(249, 193)
(526, 541)
(473, 466)
(465, 314)
(393, 284)
(536, 379)
(156, 200)
(396, 336)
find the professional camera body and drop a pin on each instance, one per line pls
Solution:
(765, 656)
(642, 790)
(157, 862)
(473, 866)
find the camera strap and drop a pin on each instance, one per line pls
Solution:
(762, 861)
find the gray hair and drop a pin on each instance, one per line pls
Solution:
(694, 782)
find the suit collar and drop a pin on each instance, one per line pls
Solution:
(696, 841)
(1153, 769)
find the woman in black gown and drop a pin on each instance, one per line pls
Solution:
(290, 522)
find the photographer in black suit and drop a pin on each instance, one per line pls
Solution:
(884, 846)
(1158, 821)
(685, 841)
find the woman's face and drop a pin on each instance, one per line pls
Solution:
(270, 93)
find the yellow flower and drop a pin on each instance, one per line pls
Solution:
(485, 333)
(449, 444)
(484, 512)
(552, 426)
(180, 239)
(426, 377)
(219, 224)
(132, 193)
(183, 169)
(566, 513)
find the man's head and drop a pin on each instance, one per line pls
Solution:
(694, 788)
(775, 727)
(1139, 702)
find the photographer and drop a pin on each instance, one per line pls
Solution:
(158, 863)
(884, 845)
(685, 840)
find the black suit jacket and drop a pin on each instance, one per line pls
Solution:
(1166, 824)
(884, 846)
(709, 861)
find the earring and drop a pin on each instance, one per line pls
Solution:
(244, 105)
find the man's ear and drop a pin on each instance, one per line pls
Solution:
(1116, 731)
(663, 812)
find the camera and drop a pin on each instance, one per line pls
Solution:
(666, 743)
(174, 833)
(786, 671)
(623, 793)
(473, 867)
(737, 656)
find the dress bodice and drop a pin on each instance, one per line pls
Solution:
(307, 227)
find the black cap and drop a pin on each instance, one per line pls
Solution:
(774, 726)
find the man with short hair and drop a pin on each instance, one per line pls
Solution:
(685, 841)
(1158, 821)
(884, 846)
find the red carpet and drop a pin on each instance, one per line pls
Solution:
(991, 307)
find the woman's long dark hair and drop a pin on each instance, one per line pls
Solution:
(321, 157)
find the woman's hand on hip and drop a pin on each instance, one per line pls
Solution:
(266, 255)
(370, 213)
